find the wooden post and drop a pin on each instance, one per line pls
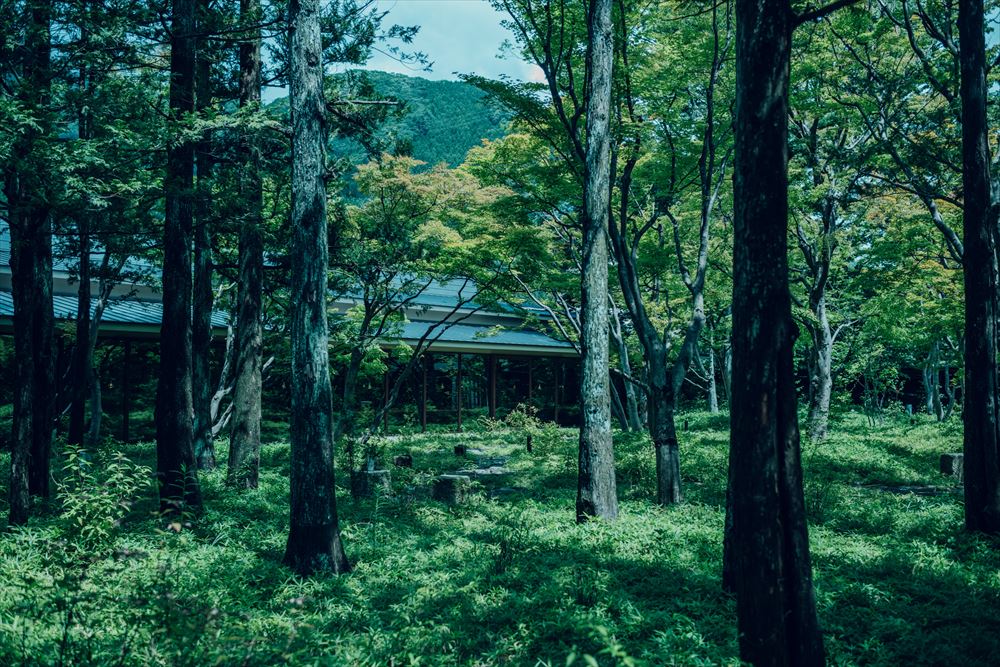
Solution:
(492, 398)
(423, 396)
(531, 368)
(125, 390)
(458, 386)
(385, 401)
(556, 372)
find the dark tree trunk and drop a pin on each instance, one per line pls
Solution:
(80, 377)
(27, 189)
(662, 429)
(596, 490)
(244, 441)
(982, 429)
(105, 287)
(775, 602)
(314, 537)
(175, 461)
(201, 324)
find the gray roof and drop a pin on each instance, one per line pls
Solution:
(118, 311)
(446, 294)
(61, 262)
(492, 336)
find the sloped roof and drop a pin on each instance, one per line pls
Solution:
(467, 337)
(118, 311)
(449, 293)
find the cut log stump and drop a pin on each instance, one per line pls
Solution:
(953, 464)
(451, 489)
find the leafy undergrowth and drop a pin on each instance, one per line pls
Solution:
(507, 578)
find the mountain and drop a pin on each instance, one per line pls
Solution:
(442, 120)
(439, 121)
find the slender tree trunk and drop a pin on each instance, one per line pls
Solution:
(662, 429)
(930, 386)
(108, 278)
(982, 428)
(821, 382)
(596, 489)
(630, 404)
(175, 461)
(244, 442)
(96, 406)
(775, 603)
(713, 387)
(314, 536)
(80, 380)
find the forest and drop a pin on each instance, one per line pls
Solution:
(681, 350)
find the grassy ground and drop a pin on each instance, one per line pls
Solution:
(508, 578)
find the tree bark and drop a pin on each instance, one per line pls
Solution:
(596, 489)
(713, 386)
(314, 535)
(28, 195)
(80, 378)
(201, 325)
(982, 428)
(821, 380)
(244, 441)
(175, 460)
(775, 603)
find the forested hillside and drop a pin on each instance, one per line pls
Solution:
(437, 121)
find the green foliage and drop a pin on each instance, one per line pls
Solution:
(95, 496)
(512, 579)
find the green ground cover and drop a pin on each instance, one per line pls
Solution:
(507, 578)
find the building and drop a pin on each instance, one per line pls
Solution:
(480, 360)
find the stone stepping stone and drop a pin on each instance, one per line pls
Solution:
(451, 489)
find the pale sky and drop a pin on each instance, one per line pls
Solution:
(458, 36)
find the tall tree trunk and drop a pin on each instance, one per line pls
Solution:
(982, 428)
(713, 386)
(821, 380)
(775, 603)
(175, 461)
(630, 404)
(244, 441)
(80, 377)
(27, 189)
(108, 278)
(596, 489)
(314, 535)
(930, 377)
(662, 429)
(201, 325)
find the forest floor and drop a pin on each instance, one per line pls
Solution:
(508, 577)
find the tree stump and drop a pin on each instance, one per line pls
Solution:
(372, 482)
(459, 450)
(953, 464)
(403, 461)
(451, 489)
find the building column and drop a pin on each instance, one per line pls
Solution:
(458, 386)
(531, 383)
(126, 354)
(557, 372)
(385, 400)
(492, 396)
(423, 393)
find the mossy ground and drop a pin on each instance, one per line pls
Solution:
(512, 579)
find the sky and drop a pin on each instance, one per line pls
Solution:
(458, 36)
